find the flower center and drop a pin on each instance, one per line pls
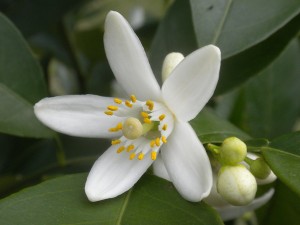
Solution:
(145, 128)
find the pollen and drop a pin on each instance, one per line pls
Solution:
(147, 120)
(112, 108)
(150, 104)
(141, 156)
(157, 142)
(144, 114)
(128, 104)
(115, 142)
(132, 155)
(117, 100)
(153, 155)
(165, 127)
(161, 117)
(113, 129)
(133, 98)
(109, 113)
(119, 126)
(152, 143)
(164, 139)
(121, 149)
(130, 148)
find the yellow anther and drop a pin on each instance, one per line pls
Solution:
(113, 129)
(165, 127)
(132, 155)
(153, 155)
(164, 139)
(130, 148)
(144, 114)
(121, 149)
(152, 143)
(128, 104)
(157, 142)
(150, 104)
(133, 98)
(147, 120)
(119, 126)
(161, 117)
(109, 113)
(118, 101)
(115, 142)
(141, 156)
(112, 108)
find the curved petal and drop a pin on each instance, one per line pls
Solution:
(187, 163)
(231, 212)
(192, 82)
(78, 115)
(113, 174)
(159, 169)
(128, 60)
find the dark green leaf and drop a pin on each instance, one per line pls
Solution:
(237, 25)
(211, 128)
(289, 143)
(62, 201)
(285, 165)
(21, 85)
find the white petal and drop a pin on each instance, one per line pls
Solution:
(78, 115)
(113, 174)
(159, 169)
(192, 82)
(230, 212)
(187, 163)
(128, 60)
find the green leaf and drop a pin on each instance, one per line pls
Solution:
(241, 67)
(237, 25)
(288, 142)
(285, 165)
(211, 128)
(174, 34)
(21, 85)
(62, 201)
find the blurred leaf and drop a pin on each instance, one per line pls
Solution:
(174, 34)
(241, 67)
(288, 142)
(21, 85)
(283, 208)
(285, 165)
(237, 25)
(271, 105)
(151, 201)
(211, 128)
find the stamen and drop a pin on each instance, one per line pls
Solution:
(152, 143)
(112, 107)
(132, 155)
(119, 126)
(115, 142)
(165, 127)
(130, 148)
(164, 139)
(109, 113)
(113, 129)
(147, 120)
(128, 104)
(118, 101)
(133, 98)
(161, 117)
(144, 114)
(150, 104)
(141, 156)
(121, 149)
(153, 155)
(157, 142)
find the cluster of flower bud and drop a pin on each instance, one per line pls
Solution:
(236, 179)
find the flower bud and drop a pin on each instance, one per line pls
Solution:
(236, 185)
(232, 151)
(132, 128)
(170, 62)
(259, 168)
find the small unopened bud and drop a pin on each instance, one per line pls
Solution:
(259, 168)
(232, 151)
(236, 185)
(132, 128)
(170, 62)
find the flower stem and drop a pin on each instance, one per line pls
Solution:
(60, 153)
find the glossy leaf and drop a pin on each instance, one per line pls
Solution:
(21, 85)
(237, 25)
(62, 201)
(211, 128)
(288, 142)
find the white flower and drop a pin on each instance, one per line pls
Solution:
(154, 120)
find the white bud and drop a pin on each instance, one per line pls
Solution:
(236, 185)
(170, 62)
(132, 128)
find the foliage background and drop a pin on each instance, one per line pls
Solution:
(54, 47)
